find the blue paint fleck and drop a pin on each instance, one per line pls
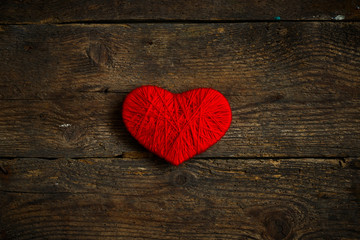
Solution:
(277, 18)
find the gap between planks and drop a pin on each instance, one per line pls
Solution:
(177, 21)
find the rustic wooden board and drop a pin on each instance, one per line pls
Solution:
(294, 88)
(287, 169)
(90, 125)
(55, 11)
(290, 60)
(122, 198)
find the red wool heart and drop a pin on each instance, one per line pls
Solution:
(176, 127)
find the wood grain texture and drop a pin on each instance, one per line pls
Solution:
(294, 88)
(262, 125)
(55, 11)
(123, 198)
(299, 61)
(287, 169)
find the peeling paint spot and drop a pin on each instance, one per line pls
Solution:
(65, 125)
(339, 17)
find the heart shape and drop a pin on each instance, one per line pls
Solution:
(176, 127)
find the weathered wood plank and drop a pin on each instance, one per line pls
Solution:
(56, 11)
(122, 198)
(294, 88)
(298, 60)
(90, 125)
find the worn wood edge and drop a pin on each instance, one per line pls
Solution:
(145, 165)
(92, 127)
(251, 198)
(266, 106)
(40, 13)
(236, 58)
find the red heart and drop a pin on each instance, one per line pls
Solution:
(176, 127)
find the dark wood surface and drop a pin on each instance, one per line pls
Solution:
(59, 11)
(294, 88)
(107, 198)
(280, 60)
(91, 126)
(288, 168)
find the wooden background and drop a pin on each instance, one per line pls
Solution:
(288, 168)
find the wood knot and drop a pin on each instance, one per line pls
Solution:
(99, 55)
(182, 178)
(72, 133)
(277, 225)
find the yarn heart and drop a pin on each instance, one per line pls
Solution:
(176, 127)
